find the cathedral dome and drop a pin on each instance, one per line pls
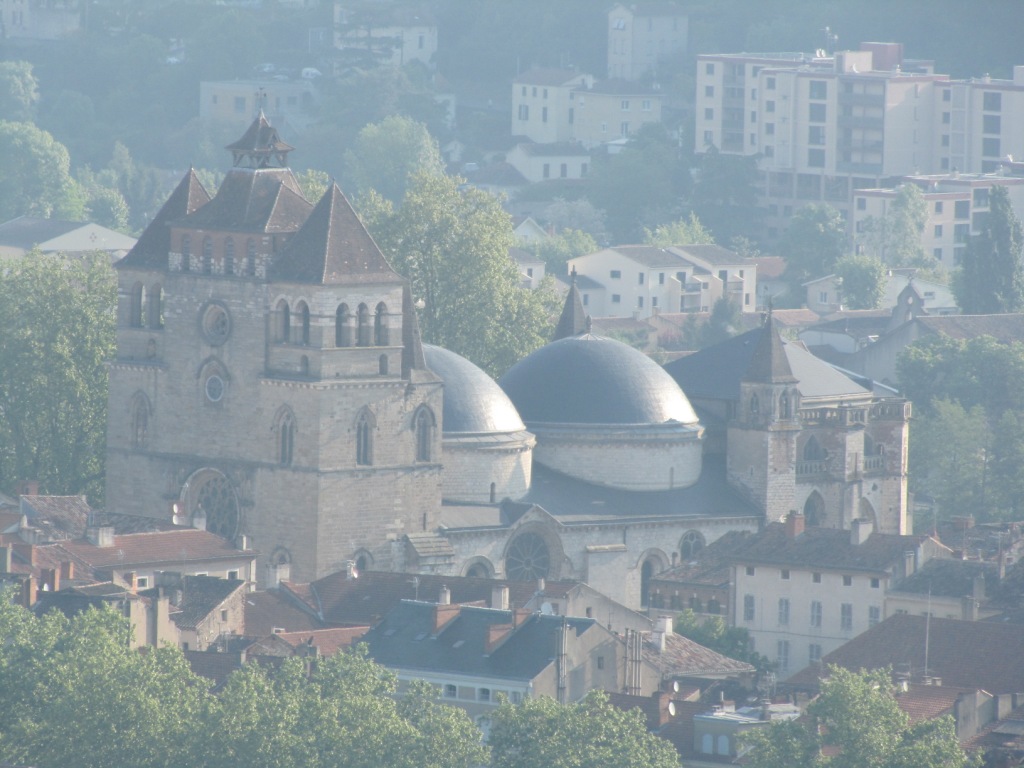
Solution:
(486, 448)
(607, 414)
(590, 379)
(473, 401)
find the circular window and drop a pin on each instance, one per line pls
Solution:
(212, 492)
(214, 388)
(215, 324)
(528, 558)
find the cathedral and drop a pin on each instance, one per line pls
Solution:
(270, 383)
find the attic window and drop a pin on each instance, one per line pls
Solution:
(449, 691)
(224, 615)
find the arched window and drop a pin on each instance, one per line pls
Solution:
(707, 744)
(303, 312)
(755, 405)
(424, 425)
(723, 744)
(382, 365)
(284, 321)
(814, 509)
(285, 438)
(364, 439)
(229, 256)
(528, 558)
(137, 309)
(250, 258)
(813, 450)
(342, 327)
(785, 410)
(646, 573)
(364, 326)
(494, 493)
(380, 326)
(140, 420)
(155, 306)
(186, 252)
(691, 544)
(207, 255)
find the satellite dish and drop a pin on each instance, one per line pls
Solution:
(672, 709)
(675, 686)
(546, 609)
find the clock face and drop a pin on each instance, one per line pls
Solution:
(214, 388)
(215, 324)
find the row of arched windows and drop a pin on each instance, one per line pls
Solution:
(146, 307)
(350, 330)
(229, 264)
(785, 405)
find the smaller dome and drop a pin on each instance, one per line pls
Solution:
(473, 401)
(591, 380)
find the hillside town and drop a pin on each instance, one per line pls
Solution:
(630, 375)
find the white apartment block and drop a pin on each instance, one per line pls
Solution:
(641, 280)
(823, 126)
(958, 205)
(642, 35)
(395, 36)
(552, 106)
(543, 162)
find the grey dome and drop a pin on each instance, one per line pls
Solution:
(473, 401)
(590, 379)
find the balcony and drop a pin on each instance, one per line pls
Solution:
(812, 467)
(874, 463)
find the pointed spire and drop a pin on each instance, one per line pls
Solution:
(574, 319)
(332, 247)
(260, 146)
(769, 363)
(154, 244)
(412, 343)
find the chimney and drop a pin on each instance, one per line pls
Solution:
(496, 635)
(50, 579)
(6, 554)
(131, 582)
(978, 587)
(28, 592)
(445, 598)
(67, 570)
(540, 586)
(444, 614)
(795, 523)
(100, 535)
(27, 488)
(968, 608)
(860, 529)
(499, 597)
(908, 563)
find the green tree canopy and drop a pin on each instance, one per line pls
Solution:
(990, 279)
(19, 91)
(541, 732)
(862, 281)
(453, 247)
(35, 175)
(56, 337)
(556, 250)
(856, 723)
(688, 231)
(386, 154)
(725, 195)
(812, 244)
(713, 633)
(896, 238)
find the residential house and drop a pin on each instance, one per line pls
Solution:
(205, 608)
(544, 162)
(386, 34)
(19, 236)
(531, 268)
(802, 592)
(947, 588)
(40, 19)
(501, 179)
(609, 110)
(231, 104)
(528, 231)
(544, 104)
(825, 294)
(641, 36)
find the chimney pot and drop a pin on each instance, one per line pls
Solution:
(795, 524)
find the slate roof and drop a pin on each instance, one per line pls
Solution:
(926, 702)
(332, 247)
(68, 515)
(1004, 328)
(573, 320)
(583, 282)
(713, 565)
(217, 666)
(684, 657)
(153, 245)
(405, 639)
(253, 200)
(273, 609)
(949, 578)
(828, 549)
(473, 402)
(367, 598)
(769, 363)
(966, 654)
(715, 255)
(650, 255)
(171, 547)
(715, 372)
(28, 231)
(201, 595)
(260, 140)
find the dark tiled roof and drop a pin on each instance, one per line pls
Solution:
(683, 657)
(267, 611)
(332, 247)
(405, 639)
(715, 255)
(926, 702)
(1003, 328)
(583, 282)
(473, 402)
(367, 598)
(27, 231)
(573, 320)
(712, 565)
(966, 654)
(950, 578)
(769, 363)
(152, 247)
(200, 596)
(217, 666)
(253, 200)
(825, 548)
(260, 139)
(67, 514)
(546, 76)
(327, 641)
(650, 255)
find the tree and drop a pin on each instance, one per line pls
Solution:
(579, 215)
(812, 244)
(713, 633)
(724, 194)
(556, 250)
(386, 154)
(724, 323)
(856, 723)
(35, 175)
(313, 184)
(687, 231)
(542, 732)
(862, 281)
(19, 90)
(990, 279)
(453, 246)
(56, 337)
(896, 237)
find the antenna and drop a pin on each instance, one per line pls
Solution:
(927, 628)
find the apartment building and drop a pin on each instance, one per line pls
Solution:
(612, 109)
(642, 35)
(824, 126)
(234, 103)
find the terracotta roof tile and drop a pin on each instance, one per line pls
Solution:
(327, 641)
(683, 657)
(253, 200)
(152, 247)
(174, 547)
